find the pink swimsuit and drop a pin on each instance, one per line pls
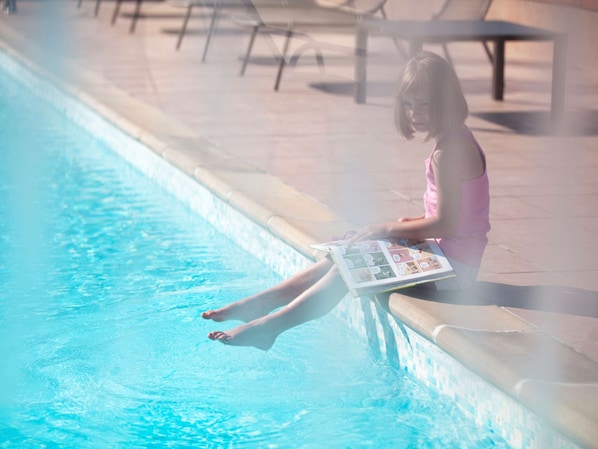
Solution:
(469, 241)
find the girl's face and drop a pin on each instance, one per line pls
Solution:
(417, 108)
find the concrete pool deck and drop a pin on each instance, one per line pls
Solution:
(308, 163)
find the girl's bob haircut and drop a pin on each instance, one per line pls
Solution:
(448, 108)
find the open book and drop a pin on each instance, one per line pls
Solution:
(373, 266)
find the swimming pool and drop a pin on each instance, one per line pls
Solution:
(104, 346)
(105, 275)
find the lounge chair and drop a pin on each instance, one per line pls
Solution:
(96, 9)
(464, 10)
(217, 6)
(134, 18)
(299, 19)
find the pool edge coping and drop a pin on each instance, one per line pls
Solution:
(429, 321)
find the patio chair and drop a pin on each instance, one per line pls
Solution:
(464, 10)
(116, 11)
(298, 19)
(134, 17)
(216, 5)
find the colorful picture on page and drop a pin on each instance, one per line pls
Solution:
(383, 272)
(408, 268)
(362, 275)
(429, 263)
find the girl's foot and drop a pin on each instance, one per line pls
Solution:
(237, 311)
(215, 315)
(246, 335)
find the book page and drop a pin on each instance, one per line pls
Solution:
(380, 262)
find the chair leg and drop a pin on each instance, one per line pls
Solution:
(97, 8)
(184, 28)
(283, 58)
(273, 47)
(320, 59)
(116, 11)
(79, 3)
(249, 48)
(215, 15)
(447, 54)
(400, 48)
(293, 60)
(136, 15)
(488, 52)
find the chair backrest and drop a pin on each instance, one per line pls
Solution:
(463, 10)
(365, 6)
(370, 6)
(336, 13)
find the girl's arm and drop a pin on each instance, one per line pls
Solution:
(451, 165)
(415, 229)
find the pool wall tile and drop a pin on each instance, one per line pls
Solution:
(480, 400)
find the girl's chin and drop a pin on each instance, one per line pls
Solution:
(419, 127)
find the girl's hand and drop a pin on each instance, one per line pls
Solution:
(370, 232)
(384, 230)
(403, 219)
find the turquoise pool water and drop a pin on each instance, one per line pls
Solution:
(104, 276)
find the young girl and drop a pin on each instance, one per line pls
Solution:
(456, 202)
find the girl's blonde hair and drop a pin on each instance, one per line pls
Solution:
(448, 108)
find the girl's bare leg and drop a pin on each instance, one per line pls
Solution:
(262, 303)
(313, 303)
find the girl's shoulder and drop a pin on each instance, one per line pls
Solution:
(460, 139)
(459, 149)
(460, 134)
